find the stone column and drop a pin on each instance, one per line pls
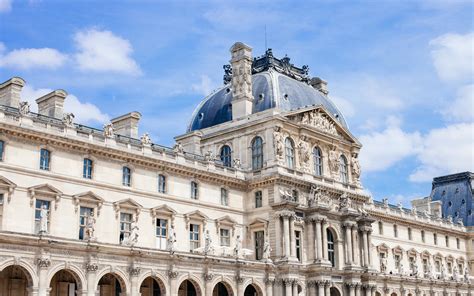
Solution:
(173, 275)
(318, 242)
(91, 269)
(320, 288)
(134, 287)
(351, 289)
(369, 247)
(311, 240)
(312, 288)
(348, 244)
(268, 287)
(355, 246)
(279, 239)
(208, 283)
(295, 288)
(286, 236)
(43, 285)
(278, 288)
(327, 288)
(373, 289)
(292, 238)
(357, 289)
(324, 225)
(366, 250)
(240, 285)
(288, 283)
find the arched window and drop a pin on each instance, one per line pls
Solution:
(257, 153)
(343, 169)
(290, 153)
(331, 247)
(318, 161)
(226, 156)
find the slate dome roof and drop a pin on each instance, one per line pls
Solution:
(275, 84)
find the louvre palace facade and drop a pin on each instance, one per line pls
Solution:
(261, 196)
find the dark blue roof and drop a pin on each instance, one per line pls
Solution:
(270, 89)
(455, 192)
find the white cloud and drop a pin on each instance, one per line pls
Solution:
(453, 55)
(27, 58)
(102, 51)
(461, 109)
(383, 149)
(5, 5)
(445, 151)
(84, 112)
(204, 86)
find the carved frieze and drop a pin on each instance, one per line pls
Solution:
(318, 120)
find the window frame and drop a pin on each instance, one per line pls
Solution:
(82, 220)
(193, 234)
(226, 155)
(343, 169)
(331, 247)
(162, 183)
(161, 241)
(290, 153)
(87, 168)
(224, 197)
(224, 240)
(194, 190)
(258, 199)
(2, 150)
(45, 159)
(126, 176)
(123, 222)
(259, 241)
(318, 161)
(257, 153)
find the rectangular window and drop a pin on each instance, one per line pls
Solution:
(40, 204)
(446, 239)
(87, 170)
(2, 149)
(395, 231)
(225, 237)
(450, 267)
(126, 176)
(380, 228)
(411, 262)
(460, 268)
(397, 261)
(45, 157)
(84, 212)
(125, 226)
(258, 199)
(423, 236)
(259, 242)
(409, 233)
(425, 265)
(298, 244)
(161, 184)
(438, 266)
(1, 198)
(194, 236)
(161, 233)
(224, 197)
(194, 190)
(294, 194)
(458, 243)
(435, 238)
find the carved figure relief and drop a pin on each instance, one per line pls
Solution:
(145, 139)
(90, 226)
(266, 251)
(238, 246)
(208, 248)
(319, 120)
(108, 130)
(68, 119)
(304, 153)
(334, 162)
(43, 220)
(355, 165)
(344, 202)
(278, 144)
(178, 148)
(171, 240)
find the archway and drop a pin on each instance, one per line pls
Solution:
(15, 280)
(64, 283)
(393, 294)
(152, 287)
(222, 289)
(188, 288)
(334, 292)
(252, 290)
(111, 285)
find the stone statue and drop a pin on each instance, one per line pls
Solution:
(278, 144)
(455, 273)
(429, 271)
(383, 265)
(238, 246)
(209, 156)
(414, 268)
(305, 154)
(145, 139)
(108, 130)
(171, 240)
(355, 168)
(312, 195)
(133, 238)
(267, 249)
(43, 220)
(178, 148)
(90, 226)
(385, 202)
(305, 118)
(344, 201)
(24, 108)
(236, 162)
(400, 206)
(401, 269)
(68, 119)
(413, 210)
(443, 274)
(334, 161)
(363, 212)
(467, 277)
(207, 243)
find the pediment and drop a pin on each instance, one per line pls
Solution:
(164, 210)
(88, 197)
(258, 222)
(383, 248)
(127, 204)
(198, 215)
(412, 252)
(319, 119)
(7, 185)
(226, 220)
(44, 189)
(425, 254)
(397, 250)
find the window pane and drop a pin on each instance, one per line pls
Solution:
(226, 156)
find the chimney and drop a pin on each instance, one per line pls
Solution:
(242, 98)
(320, 85)
(10, 92)
(52, 104)
(127, 124)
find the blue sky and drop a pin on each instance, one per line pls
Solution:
(400, 71)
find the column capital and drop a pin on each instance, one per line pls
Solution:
(208, 277)
(134, 271)
(92, 267)
(365, 228)
(43, 262)
(348, 224)
(285, 214)
(328, 283)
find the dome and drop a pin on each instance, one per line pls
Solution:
(272, 87)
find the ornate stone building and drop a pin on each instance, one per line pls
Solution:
(261, 196)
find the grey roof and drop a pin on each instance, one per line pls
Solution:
(270, 89)
(456, 194)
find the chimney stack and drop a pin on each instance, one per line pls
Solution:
(320, 85)
(10, 92)
(52, 104)
(127, 124)
(242, 98)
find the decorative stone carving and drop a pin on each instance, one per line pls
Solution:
(334, 162)
(278, 144)
(355, 165)
(304, 153)
(267, 249)
(24, 108)
(209, 156)
(108, 130)
(68, 119)
(132, 240)
(178, 148)
(208, 248)
(319, 120)
(134, 271)
(172, 274)
(344, 202)
(89, 226)
(145, 139)
(227, 74)
(238, 247)
(92, 267)
(383, 265)
(208, 277)
(385, 202)
(43, 262)
(286, 194)
(236, 163)
(455, 273)
(467, 277)
(317, 195)
(171, 240)
(241, 81)
(444, 273)
(43, 220)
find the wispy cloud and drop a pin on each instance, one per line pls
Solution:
(5, 5)
(29, 58)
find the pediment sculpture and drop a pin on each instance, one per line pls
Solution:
(319, 120)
